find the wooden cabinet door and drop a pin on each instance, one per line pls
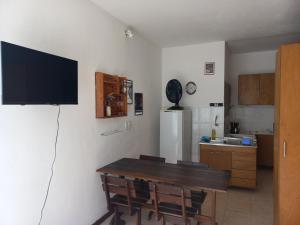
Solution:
(267, 89)
(265, 147)
(249, 90)
(204, 154)
(276, 139)
(220, 160)
(288, 135)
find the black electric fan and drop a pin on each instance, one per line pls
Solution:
(174, 93)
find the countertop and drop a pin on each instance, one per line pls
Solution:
(264, 133)
(228, 145)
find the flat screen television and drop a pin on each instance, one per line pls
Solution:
(33, 77)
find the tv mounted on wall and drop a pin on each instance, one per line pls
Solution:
(33, 77)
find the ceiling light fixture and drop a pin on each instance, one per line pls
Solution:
(129, 33)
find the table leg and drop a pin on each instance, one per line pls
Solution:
(213, 207)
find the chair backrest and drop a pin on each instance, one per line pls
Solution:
(118, 186)
(131, 189)
(152, 158)
(192, 164)
(170, 194)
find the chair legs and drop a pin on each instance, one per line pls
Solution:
(139, 217)
(117, 216)
(150, 214)
(116, 220)
(163, 220)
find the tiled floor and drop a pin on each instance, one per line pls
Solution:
(239, 206)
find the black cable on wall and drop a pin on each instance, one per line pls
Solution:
(52, 167)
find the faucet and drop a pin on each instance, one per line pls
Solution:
(216, 118)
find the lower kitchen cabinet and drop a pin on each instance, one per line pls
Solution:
(242, 182)
(241, 161)
(220, 160)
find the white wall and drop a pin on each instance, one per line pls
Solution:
(186, 63)
(79, 30)
(251, 118)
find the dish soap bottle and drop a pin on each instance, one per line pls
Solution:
(213, 134)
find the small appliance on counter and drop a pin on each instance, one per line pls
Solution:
(234, 128)
(205, 139)
(246, 141)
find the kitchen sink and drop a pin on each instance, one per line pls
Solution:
(232, 141)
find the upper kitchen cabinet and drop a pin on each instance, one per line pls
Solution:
(248, 89)
(256, 89)
(267, 89)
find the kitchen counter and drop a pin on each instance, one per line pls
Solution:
(237, 158)
(227, 145)
(264, 133)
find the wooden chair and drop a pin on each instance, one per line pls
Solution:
(197, 196)
(125, 193)
(156, 159)
(174, 203)
(152, 158)
(192, 164)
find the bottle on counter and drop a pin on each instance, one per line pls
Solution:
(213, 134)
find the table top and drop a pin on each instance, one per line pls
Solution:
(187, 177)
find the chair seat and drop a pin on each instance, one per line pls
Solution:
(171, 209)
(122, 200)
(197, 201)
(198, 197)
(142, 189)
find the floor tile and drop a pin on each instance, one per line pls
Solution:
(237, 218)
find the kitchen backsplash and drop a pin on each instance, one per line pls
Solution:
(253, 119)
(203, 122)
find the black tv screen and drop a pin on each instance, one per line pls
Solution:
(34, 77)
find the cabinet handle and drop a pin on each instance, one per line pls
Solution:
(284, 149)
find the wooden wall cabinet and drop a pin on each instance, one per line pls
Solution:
(241, 161)
(267, 89)
(265, 148)
(109, 91)
(248, 89)
(256, 89)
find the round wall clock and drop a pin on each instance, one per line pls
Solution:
(190, 88)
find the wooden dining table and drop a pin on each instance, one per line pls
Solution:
(192, 178)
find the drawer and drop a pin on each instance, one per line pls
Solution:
(244, 165)
(245, 174)
(244, 156)
(246, 183)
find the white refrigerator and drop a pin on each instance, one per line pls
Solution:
(176, 135)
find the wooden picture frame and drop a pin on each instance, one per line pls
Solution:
(209, 68)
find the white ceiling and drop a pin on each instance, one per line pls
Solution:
(181, 22)
(261, 44)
